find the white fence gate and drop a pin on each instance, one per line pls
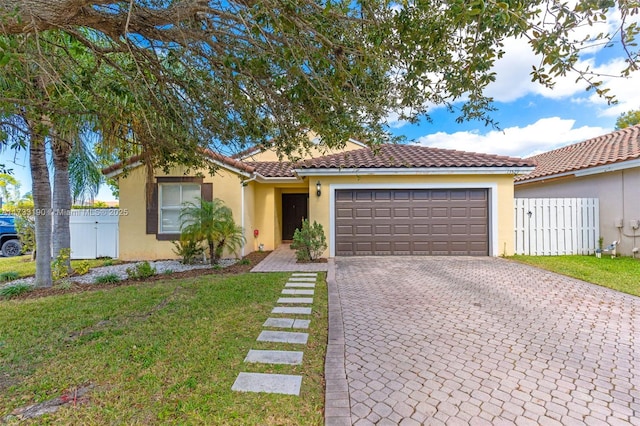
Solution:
(556, 226)
(94, 233)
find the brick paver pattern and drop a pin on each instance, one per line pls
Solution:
(462, 340)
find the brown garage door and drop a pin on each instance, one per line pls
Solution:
(412, 222)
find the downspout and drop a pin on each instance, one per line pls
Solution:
(243, 184)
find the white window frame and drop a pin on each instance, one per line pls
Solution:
(161, 186)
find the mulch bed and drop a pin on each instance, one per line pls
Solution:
(235, 269)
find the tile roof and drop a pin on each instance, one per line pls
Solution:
(387, 156)
(411, 156)
(271, 169)
(615, 147)
(209, 153)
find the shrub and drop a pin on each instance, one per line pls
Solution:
(26, 228)
(82, 267)
(60, 266)
(189, 249)
(9, 276)
(141, 271)
(64, 284)
(244, 261)
(107, 279)
(309, 242)
(107, 262)
(15, 290)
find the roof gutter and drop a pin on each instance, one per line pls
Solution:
(399, 171)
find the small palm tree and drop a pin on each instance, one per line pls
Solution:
(211, 221)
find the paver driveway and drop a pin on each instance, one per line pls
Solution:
(460, 340)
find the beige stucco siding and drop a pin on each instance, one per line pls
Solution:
(135, 243)
(500, 200)
(618, 192)
(268, 212)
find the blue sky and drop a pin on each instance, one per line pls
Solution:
(532, 118)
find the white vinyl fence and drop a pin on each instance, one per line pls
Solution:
(556, 226)
(94, 233)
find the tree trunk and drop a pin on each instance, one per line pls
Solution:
(42, 202)
(61, 197)
(212, 249)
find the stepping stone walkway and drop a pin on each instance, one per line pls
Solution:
(299, 284)
(274, 357)
(286, 323)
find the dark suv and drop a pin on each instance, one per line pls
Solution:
(9, 242)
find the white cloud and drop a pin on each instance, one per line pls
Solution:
(513, 79)
(543, 135)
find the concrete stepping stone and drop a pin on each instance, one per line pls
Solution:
(291, 310)
(300, 323)
(301, 300)
(286, 323)
(303, 279)
(304, 274)
(274, 357)
(298, 292)
(300, 285)
(283, 337)
(279, 322)
(269, 383)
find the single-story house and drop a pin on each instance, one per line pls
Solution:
(405, 199)
(606, 167)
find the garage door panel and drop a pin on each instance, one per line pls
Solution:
(382, 212)
(344, 213)
(402, 229)
(364, 213)
(477, 212)
(382, 230)
(419, 222)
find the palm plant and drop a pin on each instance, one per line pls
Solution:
(211, 221)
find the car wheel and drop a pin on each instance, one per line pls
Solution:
(11, 248)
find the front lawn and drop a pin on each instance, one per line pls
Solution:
(25, 267)
(620, 273)
(163, 352)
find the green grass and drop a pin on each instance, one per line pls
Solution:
(165, 352)
(25, 267)
(620, 273)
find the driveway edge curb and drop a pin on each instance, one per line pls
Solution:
(337, 407)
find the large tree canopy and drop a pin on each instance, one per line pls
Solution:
(246, 71)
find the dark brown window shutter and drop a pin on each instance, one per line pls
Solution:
(152, 208)
(206, 191)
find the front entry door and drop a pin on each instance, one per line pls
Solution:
(294, 211)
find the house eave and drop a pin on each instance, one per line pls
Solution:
(263, 179)
(121, 170)
(403, 171)
(613, 167)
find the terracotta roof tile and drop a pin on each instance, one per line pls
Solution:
(270, 169)
(212, 155)
(621, 145)
(411, 156)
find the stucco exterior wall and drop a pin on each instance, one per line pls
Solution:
(268, 213)
(501, 238)
(135, 243)
(619, 195)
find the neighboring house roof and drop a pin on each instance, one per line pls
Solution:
(616, 147)
(411, 156)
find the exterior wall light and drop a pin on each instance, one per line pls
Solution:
(318, 189)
